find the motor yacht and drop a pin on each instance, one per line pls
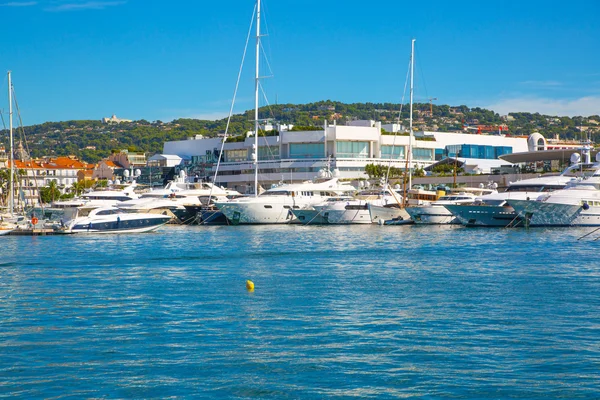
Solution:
(495, 209)
(111, 220)
(275, 205)
(175, 196)
(395, 213)
(578, 204)
(355, 210)
(436, 212)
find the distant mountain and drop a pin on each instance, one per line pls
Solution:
(93, 140)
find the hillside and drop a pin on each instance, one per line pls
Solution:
(93, 140)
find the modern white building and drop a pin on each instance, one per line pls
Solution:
(293, 156)
(164, 160)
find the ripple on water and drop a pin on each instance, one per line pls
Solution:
(341, 311)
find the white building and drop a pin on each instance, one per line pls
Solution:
(114, 120)
(299, 155)
(164, 160)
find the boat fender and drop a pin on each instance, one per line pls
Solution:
(585, 206)
(250, 286)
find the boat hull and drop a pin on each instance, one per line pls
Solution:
(482, 215)
(389, 215)
(431, 215)
(539, 213)
(147, 223)
(257, 213)
(310, 217)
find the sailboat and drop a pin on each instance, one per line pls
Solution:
(275, 205)
(8, 222)
(394, 213)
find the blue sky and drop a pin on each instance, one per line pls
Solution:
(159, 60)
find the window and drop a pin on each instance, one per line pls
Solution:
(423, 154)
(352, 149)
(307, 150)
(268, 153)
(392, 152)
(236, 155)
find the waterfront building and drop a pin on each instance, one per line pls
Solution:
(34, 174)
(292, 156)
(128, 159)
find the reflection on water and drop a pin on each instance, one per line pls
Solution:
(363, 311)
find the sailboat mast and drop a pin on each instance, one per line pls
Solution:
(410, 143)
(11, 155)
(256, 83)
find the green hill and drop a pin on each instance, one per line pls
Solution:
(93, 140)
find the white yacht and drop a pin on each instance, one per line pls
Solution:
(436, 212)
(99, 198)
(396, 214)
(576, 205)
(172, 199)
(275, 205)
(495, 210)
(310, 216)
(112, 220)
(356, 209)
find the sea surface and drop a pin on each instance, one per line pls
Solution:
(338, 312)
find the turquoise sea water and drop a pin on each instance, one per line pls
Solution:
(337, 312)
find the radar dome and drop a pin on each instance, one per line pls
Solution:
(182, 174)
(126, 173)
(138, 172)
(598, 156)
(575, 158)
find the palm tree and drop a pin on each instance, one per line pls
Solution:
(53, 189)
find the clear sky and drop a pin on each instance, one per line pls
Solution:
(160, 60)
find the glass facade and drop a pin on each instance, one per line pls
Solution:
(268, 153)
(439, 154)
(352, 149)
(307, 150)
(477, 151)
(422, 154)
(393, 152)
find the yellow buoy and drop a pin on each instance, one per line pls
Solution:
(250, 286)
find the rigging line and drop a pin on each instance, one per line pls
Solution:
(232, 104)
(24, 139)
(272, 114)
(265, 12)
(266, 60)
(387, 174)
(422, 75)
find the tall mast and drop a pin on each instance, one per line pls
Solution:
(256, 83)
(410, 143)
(11, 155)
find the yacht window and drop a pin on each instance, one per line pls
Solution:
(276, 193)
(106, 212)
(356, 207)
(268, 206)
